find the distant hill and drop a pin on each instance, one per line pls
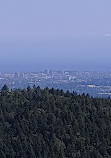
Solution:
(48, 123)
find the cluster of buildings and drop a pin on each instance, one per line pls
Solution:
(94, 83)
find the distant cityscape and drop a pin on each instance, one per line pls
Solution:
(94, 83)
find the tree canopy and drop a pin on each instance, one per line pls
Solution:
(49, 123)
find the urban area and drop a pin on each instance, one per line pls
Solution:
(94, 83)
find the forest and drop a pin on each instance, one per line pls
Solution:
(51, 123)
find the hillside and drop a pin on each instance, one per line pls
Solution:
(48, 123)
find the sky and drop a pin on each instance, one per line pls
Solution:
(55, 34)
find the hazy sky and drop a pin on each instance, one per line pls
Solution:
(55, 34)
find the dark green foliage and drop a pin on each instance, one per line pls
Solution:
(36, 123)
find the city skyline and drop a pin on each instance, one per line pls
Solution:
(93, 83)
